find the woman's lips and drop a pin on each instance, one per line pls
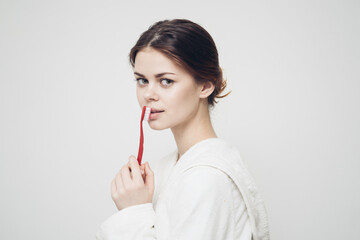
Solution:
(155, 110)
(155, 114)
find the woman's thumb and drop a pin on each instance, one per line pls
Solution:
(149, 176)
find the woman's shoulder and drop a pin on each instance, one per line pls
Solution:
(208, 175)
(204, 182)
(215, 151)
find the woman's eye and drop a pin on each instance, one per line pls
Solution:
(141, 81)
(166, 82)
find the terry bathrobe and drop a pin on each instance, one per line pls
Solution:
(208, 194)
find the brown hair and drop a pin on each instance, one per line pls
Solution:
(191, 46)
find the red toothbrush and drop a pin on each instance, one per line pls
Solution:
(146, 111)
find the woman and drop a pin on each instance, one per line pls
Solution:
(202, 190)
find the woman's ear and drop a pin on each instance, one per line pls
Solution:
(206, 89)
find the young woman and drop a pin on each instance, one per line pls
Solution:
(202, 190)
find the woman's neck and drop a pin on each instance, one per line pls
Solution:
(197, 129)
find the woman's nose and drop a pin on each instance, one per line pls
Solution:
(151, 93)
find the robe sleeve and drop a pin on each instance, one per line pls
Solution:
(135, 222)
(200, 207)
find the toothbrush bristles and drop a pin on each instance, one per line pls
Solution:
(147, 114)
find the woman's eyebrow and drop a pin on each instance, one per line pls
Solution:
(156, 75)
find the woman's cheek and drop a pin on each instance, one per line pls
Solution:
(139, 97)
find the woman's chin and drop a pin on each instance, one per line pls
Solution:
(155, 126)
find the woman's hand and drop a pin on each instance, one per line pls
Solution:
(133, 184)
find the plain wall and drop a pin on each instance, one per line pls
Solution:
(70, 118)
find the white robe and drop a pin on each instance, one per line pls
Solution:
(207, 194)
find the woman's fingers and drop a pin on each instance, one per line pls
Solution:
(135, 170)
(128, 188)
(142, 169)
(126, 175)
(131, 173)
(119, 184)
(149, 176)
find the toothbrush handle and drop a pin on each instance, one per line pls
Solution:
(141, 145)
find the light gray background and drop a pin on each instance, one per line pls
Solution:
(70, 118)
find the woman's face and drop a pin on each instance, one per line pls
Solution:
(167, 88)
